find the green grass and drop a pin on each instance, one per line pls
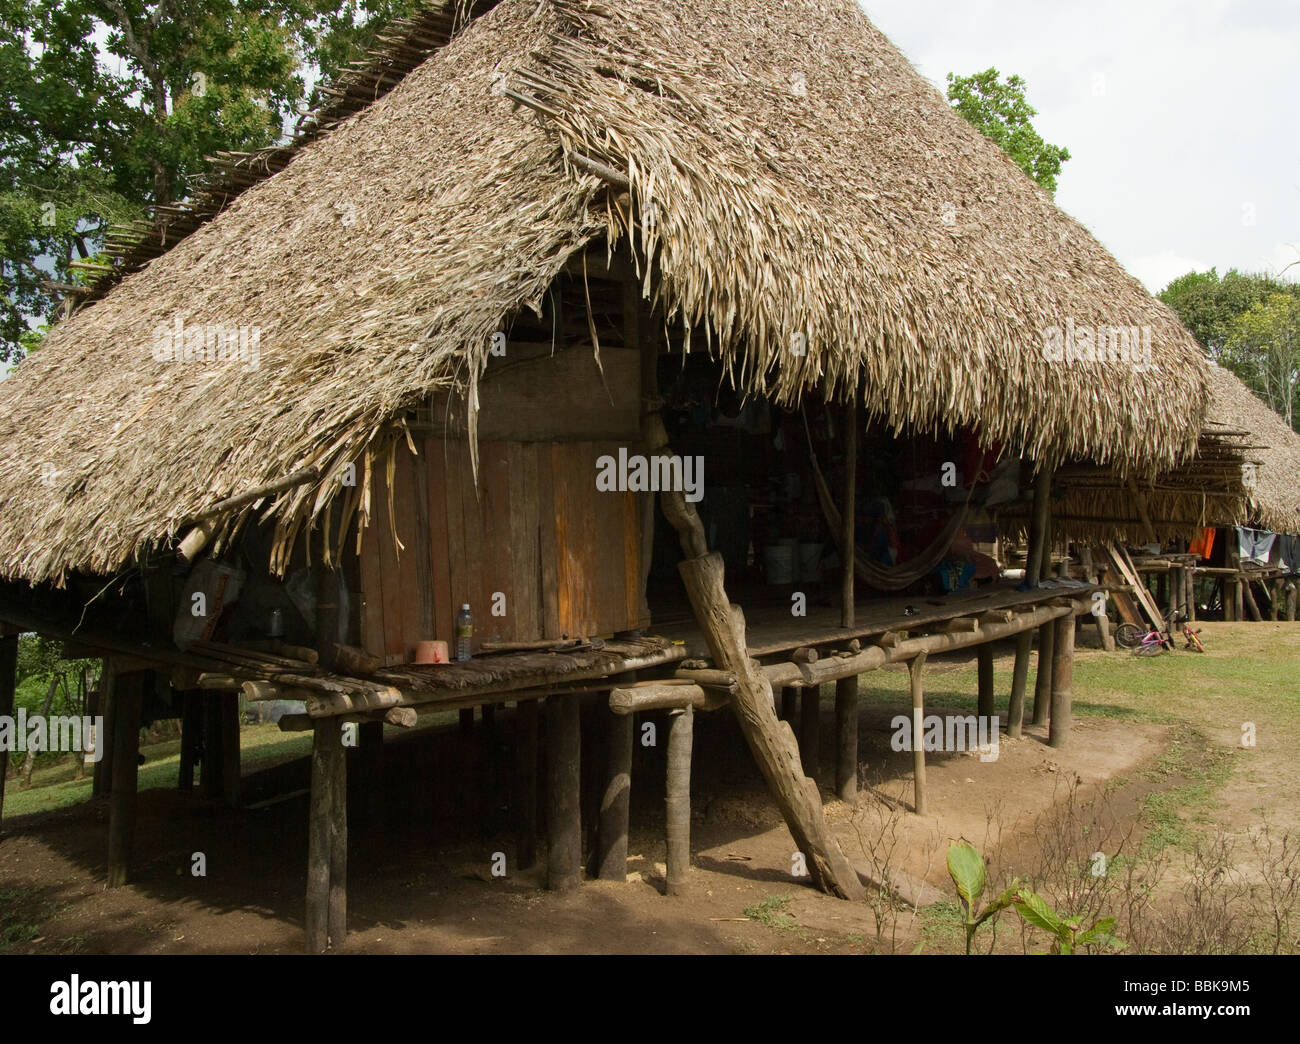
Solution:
(770, 912)
(53, 786)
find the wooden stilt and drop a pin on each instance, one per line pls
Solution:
(848, 539)
(213, 757)
(1249, 598)
(228, 708)
(370, 769)
(191, 725)
(616, 800)
(564, 793)
(810, 730)
(466, 720)
(102, 779)
(1043, 679)
(915, 667)
(678, 799)
(1019, 676)
(846, 734)
(327, 839)
(1191, 595)
(1062, 677)
(1291, 589)
(1036, 566)
(8, 686)
(526, 722)
(987, 703)
(1274, 599)
(126, 752)
(789, 703)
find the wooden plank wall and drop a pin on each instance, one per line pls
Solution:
(566, 557)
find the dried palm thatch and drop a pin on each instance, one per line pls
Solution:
(795, 189)
(1246, 470)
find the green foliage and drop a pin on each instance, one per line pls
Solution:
(109, 108)
(1001, 112)
(966, 868)
(1250, 324)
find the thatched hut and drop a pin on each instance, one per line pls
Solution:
(390, 362)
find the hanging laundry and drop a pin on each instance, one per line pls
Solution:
(1203, 545)
(1255, 544)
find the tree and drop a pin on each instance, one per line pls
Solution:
(109, 108)
(1000, 111)
(1264, 350)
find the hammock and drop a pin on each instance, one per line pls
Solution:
(886, 578)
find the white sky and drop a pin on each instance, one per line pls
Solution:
(1180, 115)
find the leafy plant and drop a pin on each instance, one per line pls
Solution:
(966, 868)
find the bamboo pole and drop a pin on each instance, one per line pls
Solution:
(986, 702)
(915, 669)
(849, 540)
(1043, 679)
(1035, 566)
(1019, 676)
(678, 799)
(1062, 677)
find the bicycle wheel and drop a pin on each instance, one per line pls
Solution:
(1194, 643)
(1151, 649)
(1128, 635)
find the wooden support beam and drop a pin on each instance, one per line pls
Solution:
(966, 624)
(102, 777)
(669, 694)
(527, 715)
(191, 734)
(1062, 677)
(789, 704)
(810, 730)
(848, 539)
(1249, 598)
(615, 802)
(987, 704)
(1035, 566)
(678, 799)
(1019, 676)
(846, 734)
(8, 686)
(1043, 678)
(915, 669)
(564, 793)
(230, 774)
(213, 739)
(326, 918)
(1291, 592)
(129, 689)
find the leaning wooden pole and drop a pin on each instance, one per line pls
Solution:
(771, 742)
(915, 667)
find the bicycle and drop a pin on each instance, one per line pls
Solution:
(1155, 641)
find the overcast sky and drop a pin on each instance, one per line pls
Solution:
(1181, 115)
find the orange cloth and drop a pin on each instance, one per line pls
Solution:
(1203, 544)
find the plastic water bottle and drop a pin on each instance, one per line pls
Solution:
(464, 632)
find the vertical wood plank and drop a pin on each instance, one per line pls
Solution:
(129, 690)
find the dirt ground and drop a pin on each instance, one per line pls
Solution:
(420, 870)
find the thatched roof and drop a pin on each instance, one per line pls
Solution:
(795, 182)
(1246, 470)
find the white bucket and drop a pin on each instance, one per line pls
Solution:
(779, 562)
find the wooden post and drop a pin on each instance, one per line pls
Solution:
(228, 708)
(8, 685)
(789, 703)
(564, 793)
(129, 689)
(987, 704)
(846, 732)
(1037, 563)
(327, 841)
(773, 745)
(1290, 601)
(1191, 594)
(848, 541)
(1043, 679)
(191, 724)
(466, 720)
(1062, 677)
(1019, 676)
(213, 756)
(1274, 599)
(678, 798)
(914, 668)
(102, 778)
(616, 800)
(370, 765)
(810, 730)
(1249, 597)
(526, 721)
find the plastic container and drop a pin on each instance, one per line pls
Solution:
(464, 633)
(778, 560)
